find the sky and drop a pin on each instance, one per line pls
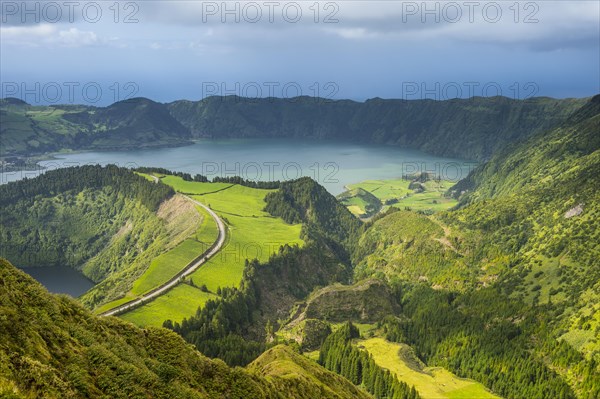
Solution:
(99, 52)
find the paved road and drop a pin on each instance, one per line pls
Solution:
(189, 269)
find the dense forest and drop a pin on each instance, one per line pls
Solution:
(82, 177)
(322, 216)
(476, 336)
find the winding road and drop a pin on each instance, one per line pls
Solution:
(186, 271)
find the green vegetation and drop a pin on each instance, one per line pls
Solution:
(235, 327)
(501, 289)
(414, 247)
(168, 264)
(155, 312)
(430, 383)
(192, 187)
(477, 336)
(251, 234)
(339, 355)
(53, 348)
(201, 234)
(132, 123)
(428, 195)
(108, 222)
(527, 230)
(284, 367)
(471, 128)
(323, 217)
(366, 302)
(539, 203)
(360, 202)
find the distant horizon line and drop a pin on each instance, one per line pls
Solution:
(296, 98)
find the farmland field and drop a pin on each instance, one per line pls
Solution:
(397, 194)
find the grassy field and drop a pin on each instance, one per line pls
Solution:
(252, 233)
(430, 382)
(161, 309)
(384, 189)
(397, 194)
(190, 187)
(165, 266)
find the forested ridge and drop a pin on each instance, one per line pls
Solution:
(133, 123)
(471, 128)
(81, 177)
(322, 216)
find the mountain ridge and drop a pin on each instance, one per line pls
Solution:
(473, 128)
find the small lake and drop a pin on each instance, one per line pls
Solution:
(332, 164)
(61, 279)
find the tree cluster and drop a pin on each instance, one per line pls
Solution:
(340, 356)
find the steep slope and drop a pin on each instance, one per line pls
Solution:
(528, 217)
(524, 246)
(541, 202)
(132, 123)
(468, 128)
(50, 347)
(283, 368)
(105, 221)
(135, 123)
(236, 326)
(366, 302)
(410, 246)
(324, 219)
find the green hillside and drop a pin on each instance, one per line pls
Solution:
(512, 276)
(423, 193)
(466, 128)
(498, 296)
(109, 223)
(430, 382)
(134, 123)
(50, 347)
(540, 202)
(251, 233)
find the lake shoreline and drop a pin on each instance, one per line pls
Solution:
(333, 164)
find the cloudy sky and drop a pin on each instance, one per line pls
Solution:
(99, 52)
